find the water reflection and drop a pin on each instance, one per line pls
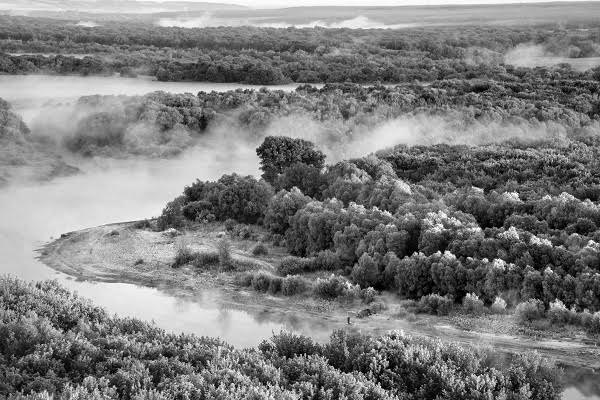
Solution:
(128, 190)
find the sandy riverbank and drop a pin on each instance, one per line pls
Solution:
(122, 253)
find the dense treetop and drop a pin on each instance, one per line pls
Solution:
(272, 56)
(53, 342)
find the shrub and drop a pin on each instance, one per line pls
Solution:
(293, 265)
(260, 250)
(233, 196)
(368, 295)
(378, 307)
(278, 240)
(530, 310)
(326, 260)
(435, 304)
(230, 224)
(243, 232)
(590, 322)
(206, 217)
(335, 286)
(261, 282)
(275, 284)
(195, 209)
(585, 318)
(281, 207)
(183, 256)
(205, 259)
(244, 279)
(593, 324)
(472, 304)
(293, 284)
(287, 344)
(498, 306)
(558, 313)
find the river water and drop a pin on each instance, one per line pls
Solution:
(118, 190)
(121, 190)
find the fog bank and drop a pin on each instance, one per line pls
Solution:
(208, 20)
(531, 55)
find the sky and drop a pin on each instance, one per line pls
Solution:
(291, 3)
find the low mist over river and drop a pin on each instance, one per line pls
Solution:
(28, 93)
(110, 191)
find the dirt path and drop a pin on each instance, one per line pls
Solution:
(120, 253)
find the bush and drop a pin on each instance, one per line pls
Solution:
(499, 305)
(206, 217)
(558, 313)
(293, 284)
(195, 209)
(293, 266)
(289, 345)
(230, 224)
(243, 232)
(183, 256)
(593, 324)
(530, 310)
(260, 250)
(261, 282)
(368, 295)
(244, 279)
(206, 259)
(326, 260)
(335, 286)
(281, 207)
(275, 284)
(233, 196)
(435, 304)
(472, 304)
(278, 240)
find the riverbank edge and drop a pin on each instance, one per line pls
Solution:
(576, 353)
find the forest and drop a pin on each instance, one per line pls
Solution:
(533, 110)
(510, 234)
(412, 172)
(269, 56)
(509, 223)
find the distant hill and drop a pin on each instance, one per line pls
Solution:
(110, 6)
(199, 14)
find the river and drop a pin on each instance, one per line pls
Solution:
(120, 190)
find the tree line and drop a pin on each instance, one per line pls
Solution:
(274, 56)
(376, 222)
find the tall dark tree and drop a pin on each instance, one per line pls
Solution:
(280, 152)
